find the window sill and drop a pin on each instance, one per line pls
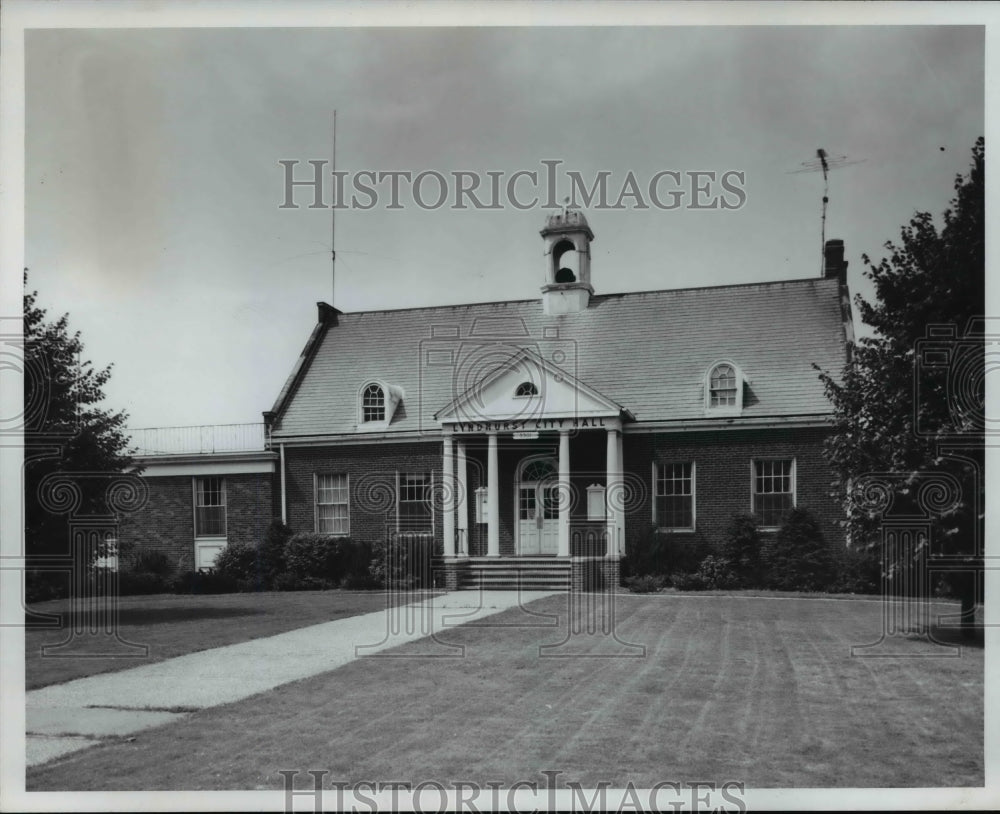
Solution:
(671, 530)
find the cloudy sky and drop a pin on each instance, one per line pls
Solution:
(153, 185)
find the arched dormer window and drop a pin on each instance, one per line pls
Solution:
(377, 403)
(526, 389)
(372, 403)
(724, 388)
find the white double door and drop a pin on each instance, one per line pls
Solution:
(538, 518)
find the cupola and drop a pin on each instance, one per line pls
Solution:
(567, 237)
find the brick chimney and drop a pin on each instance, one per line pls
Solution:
(835, 265)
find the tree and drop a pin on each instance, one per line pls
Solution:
(910, 404)
(67, 432)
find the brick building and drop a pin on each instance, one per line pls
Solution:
(531, 438)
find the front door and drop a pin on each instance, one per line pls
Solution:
(538, 518)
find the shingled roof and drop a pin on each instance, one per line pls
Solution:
(648, 351)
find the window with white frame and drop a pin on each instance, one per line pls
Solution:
(210, 507)
(332, 505)
(526, 389)
(723, 386)
(673, 491)
(373, 403)
(414, 502)
(773, 490)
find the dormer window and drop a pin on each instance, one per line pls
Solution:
(724, 389)
(373, 404)
(525, 389)
(377, 403)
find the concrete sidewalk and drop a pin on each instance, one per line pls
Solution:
(65, 718)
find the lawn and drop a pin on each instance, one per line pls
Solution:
(730, 688)
(172, 625)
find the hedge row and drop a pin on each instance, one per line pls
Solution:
(797, 559)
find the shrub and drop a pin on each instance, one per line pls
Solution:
(312, 555)
(149, 561)
(645, 584)
(658, 552)
(685, 581)
(858, 572)
(204, 582)
(642, 553)
(800, 559)
(272, 550)
(714, 574)
(290, 582)
(741, 547)
(41, 586)
(717, 573)
(136, 583)
(402, 561)
(322, 561)
(237, 560)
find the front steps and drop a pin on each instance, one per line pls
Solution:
(511, 573)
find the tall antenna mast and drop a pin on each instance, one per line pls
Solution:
(333, 220)
(824, 162)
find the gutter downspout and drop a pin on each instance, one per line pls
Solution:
(284, 503)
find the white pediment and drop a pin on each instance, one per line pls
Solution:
(558, 395)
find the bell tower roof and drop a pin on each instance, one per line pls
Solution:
(567, 220)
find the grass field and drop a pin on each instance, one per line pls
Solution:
(172, 625)
(759, 690)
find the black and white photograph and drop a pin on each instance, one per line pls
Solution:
(496, 406)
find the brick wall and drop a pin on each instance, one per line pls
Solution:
(723, 478)
(166, 522)
(722, 467)
(371, 471)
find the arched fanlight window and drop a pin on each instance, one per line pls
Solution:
(539, 469)
(723, 386)
(373, 403)
(526, 389)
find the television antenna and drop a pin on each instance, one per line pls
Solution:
(333, 219)
(824, 162)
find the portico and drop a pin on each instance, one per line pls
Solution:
(520, 423)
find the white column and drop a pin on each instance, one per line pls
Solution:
(613, 494)
(493, 499)
(462, 485)
(621, 484)
(448, 494)
(564, 494)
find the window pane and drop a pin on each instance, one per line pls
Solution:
(774, 491)
(332, 504)
(722, 386)
(550, 502)
(210, 521)
(373, 404)
(210, 507)
(526, 504)
(414, 502)
(674, 492)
